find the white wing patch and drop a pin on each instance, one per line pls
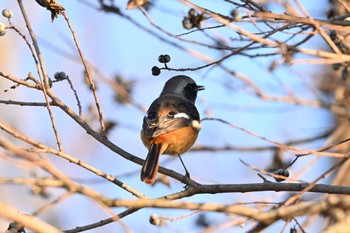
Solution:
(181, 115)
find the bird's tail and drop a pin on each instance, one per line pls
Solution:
(150, 167)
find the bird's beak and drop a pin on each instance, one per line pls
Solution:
(200, 88)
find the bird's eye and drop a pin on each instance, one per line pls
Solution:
(190, 87)
(151, 115)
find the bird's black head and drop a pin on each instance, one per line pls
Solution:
(183, 86)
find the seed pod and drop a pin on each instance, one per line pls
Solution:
(7, 13)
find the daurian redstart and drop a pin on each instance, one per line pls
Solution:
(171, 124)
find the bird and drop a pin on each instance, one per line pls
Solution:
(171, 124)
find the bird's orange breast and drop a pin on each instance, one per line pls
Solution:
(174, 142)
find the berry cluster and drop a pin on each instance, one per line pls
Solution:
(162, 59)
(7, 14)
(193, 19)
(342, 42)
(59, 76)
(282, 175)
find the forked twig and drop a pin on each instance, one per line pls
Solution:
(88, 75)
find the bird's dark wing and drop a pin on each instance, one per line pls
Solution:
(168, 115)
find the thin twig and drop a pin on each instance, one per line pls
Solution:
(22, 103)
(45, 149)
(30, 222)
(88, 75)
(296, 197)
(52, 203)
(278, 144)
(76, 96)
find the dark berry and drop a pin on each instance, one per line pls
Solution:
(345, 73)
(186, 23)
(155, 71)
(50, 83)
(281, 172)
(192, 13)
(59, 76)
(235, 15)
(167, 58)
(336, 66)
(164, 58)
(333, 35)
(161, 58)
